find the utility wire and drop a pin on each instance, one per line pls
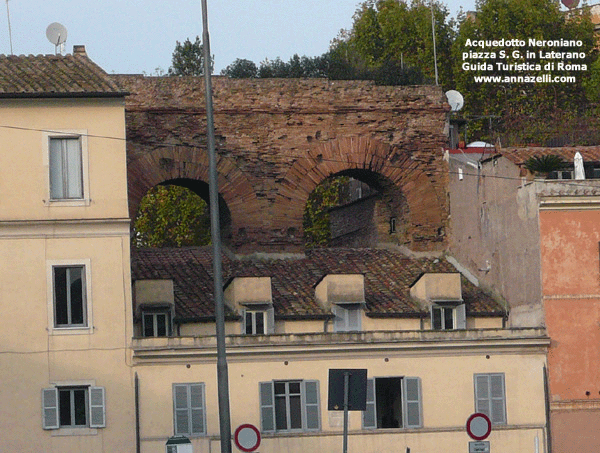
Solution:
(411, 168)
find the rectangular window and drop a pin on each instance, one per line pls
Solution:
(288, 406)
(490, 397)
(347, 317)
(73, 407)
(393, 402)
(448, 317)
(255, 322)
(156, 323)
(66, 168)
(188, 409)
(69, 290)
(258, 321)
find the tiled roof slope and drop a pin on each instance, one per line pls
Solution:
(51, 76)
(388, 278)
(520, 155)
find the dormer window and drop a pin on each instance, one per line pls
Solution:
(448, 316)
(252, 298)
(156, 322)
(347, 317)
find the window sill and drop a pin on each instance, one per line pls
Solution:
(75, 432)
(70, 330)
(68, 203)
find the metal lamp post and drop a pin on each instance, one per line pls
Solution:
(215, 231)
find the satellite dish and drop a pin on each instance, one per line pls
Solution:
(455, 99)
(570, 3)
(56, 34)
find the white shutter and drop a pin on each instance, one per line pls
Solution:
(267, 407)
(339, 321)
(411, 399)
(369, 418)
(461, 317)
(97, 407)
(50, 408)
(310, 393)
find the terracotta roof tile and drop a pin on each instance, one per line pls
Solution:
(54, 76)
(388, 278)
(520, 155)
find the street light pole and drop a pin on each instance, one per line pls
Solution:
(215, 231)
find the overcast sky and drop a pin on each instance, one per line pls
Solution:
(135, 36)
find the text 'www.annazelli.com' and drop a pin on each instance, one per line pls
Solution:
(544, 78)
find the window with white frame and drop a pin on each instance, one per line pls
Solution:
(490, 396)
(66, 168)
(347, 317)
(73, 407)
(393, 402)
(189, 412)
(289, 406)
(69, 296)
(156, 323)
(259, 320)
(448, 316)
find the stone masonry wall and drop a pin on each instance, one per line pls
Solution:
(278, 138)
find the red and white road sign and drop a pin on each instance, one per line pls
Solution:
(247, 437)
(479, 426)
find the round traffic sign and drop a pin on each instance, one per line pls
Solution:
(247, 437)
(479, 426)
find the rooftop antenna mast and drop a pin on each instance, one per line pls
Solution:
(9, 30)
(57, 35)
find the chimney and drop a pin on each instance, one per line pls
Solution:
(79, 50)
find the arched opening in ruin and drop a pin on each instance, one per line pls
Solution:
(356, 208)
(176, 213)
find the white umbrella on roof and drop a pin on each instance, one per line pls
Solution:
(578, 162)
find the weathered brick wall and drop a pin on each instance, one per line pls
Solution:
(278, 138)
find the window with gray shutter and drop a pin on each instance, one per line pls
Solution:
(393, 402)
(461, 317)
(188, 409)
(490, 396)
(288, 406)
(50, 408)
(73, 407)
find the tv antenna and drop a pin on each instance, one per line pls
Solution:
(9, 31)
(57, 35)
(455, 99)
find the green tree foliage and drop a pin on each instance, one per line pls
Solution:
(188, 59)
(171, 216)
(388, 35)
(545, 163)
(316, 214)
(530, 110)
(241, 69)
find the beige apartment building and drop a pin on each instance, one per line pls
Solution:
(65, 370)
(87, 365)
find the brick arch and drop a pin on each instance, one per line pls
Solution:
(160, 165)
(426, 203)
